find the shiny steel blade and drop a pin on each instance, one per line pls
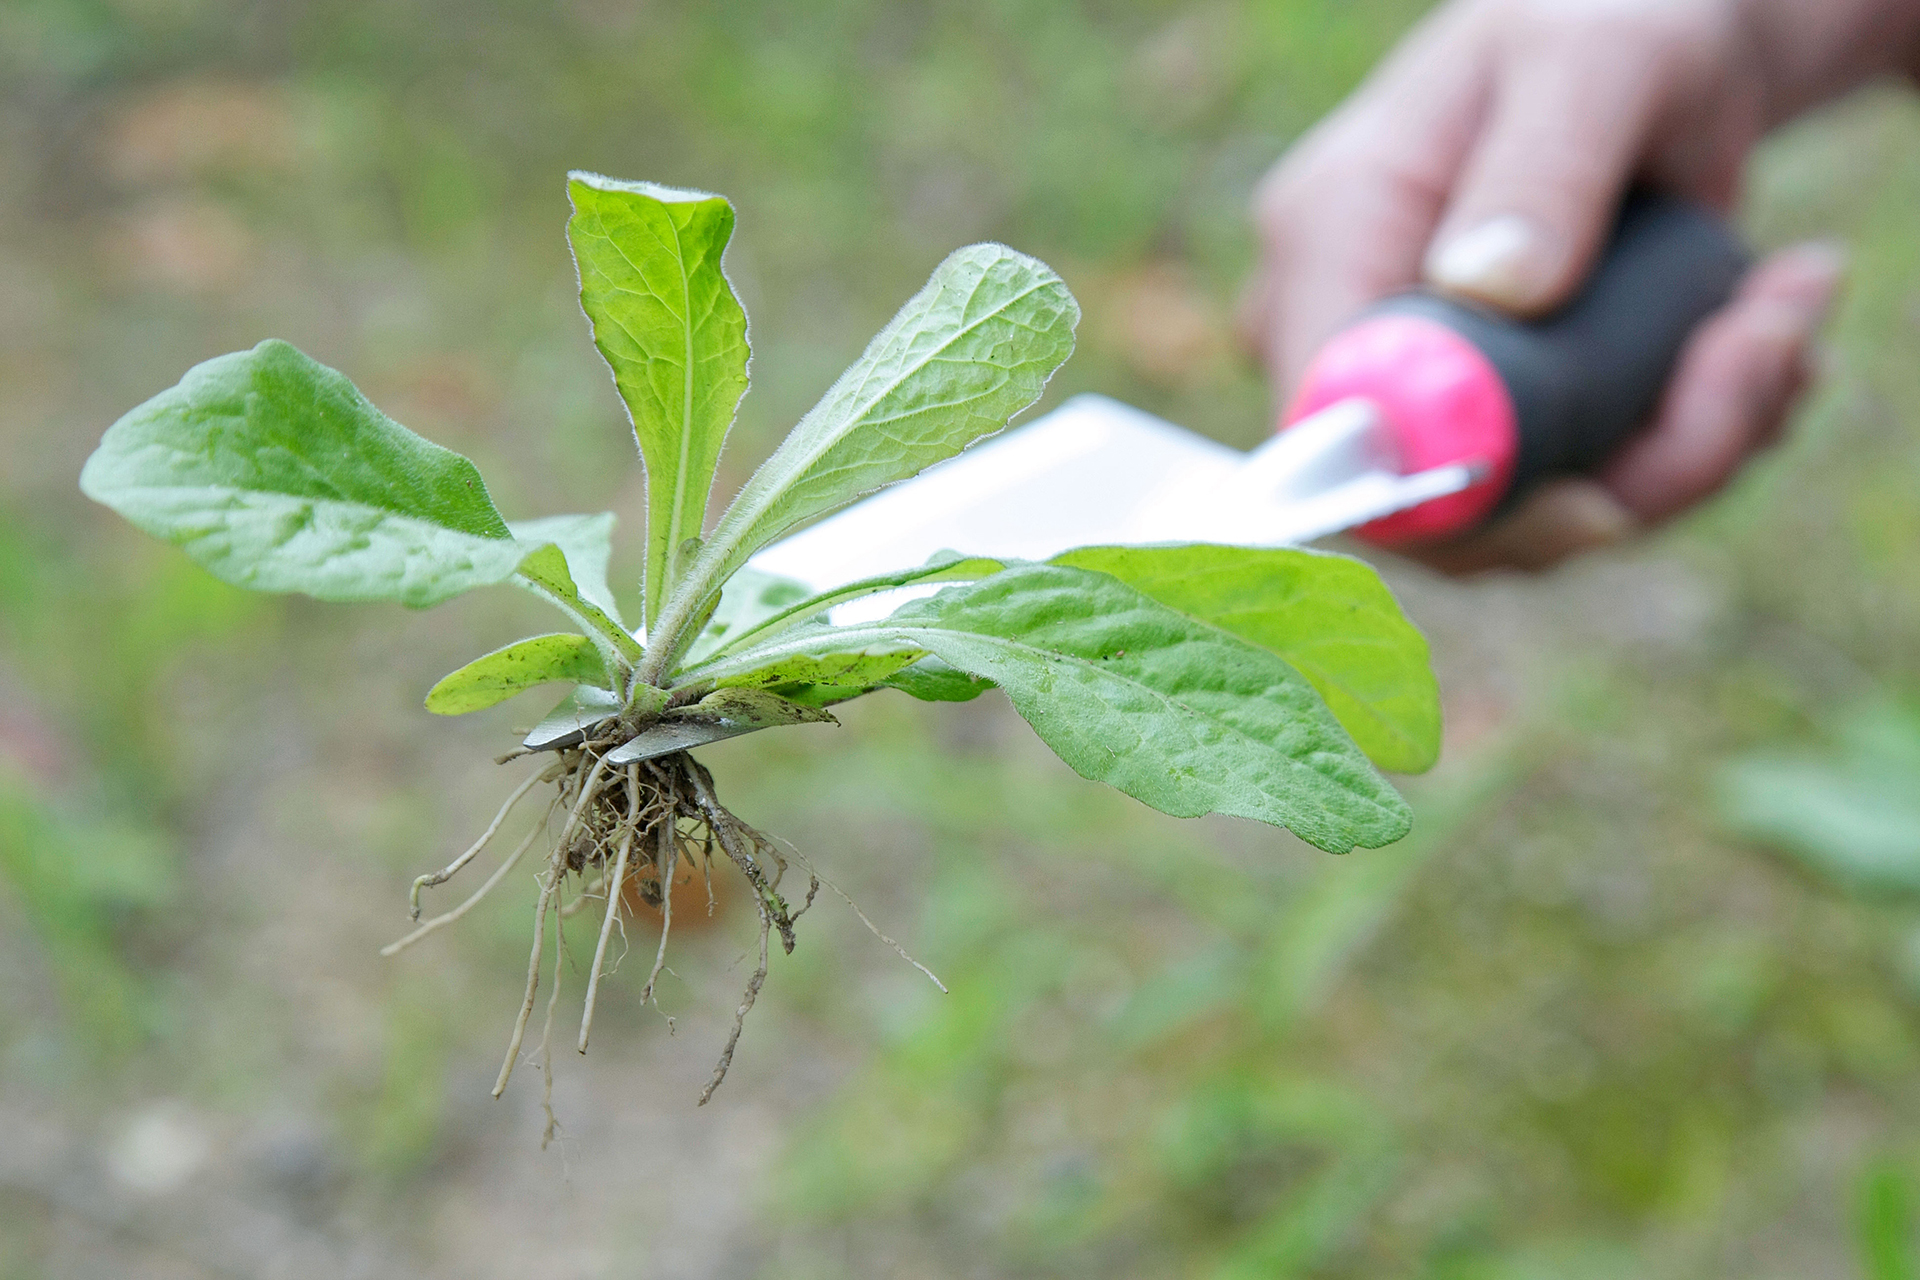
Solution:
(574, 720)
(1361, 500)
(1076, 477)
(670, 736)
(1095, 471)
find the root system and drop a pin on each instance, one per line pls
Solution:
(624, 824)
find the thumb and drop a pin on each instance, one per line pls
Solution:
(1566, 125)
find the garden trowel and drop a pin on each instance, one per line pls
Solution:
(1422, 419)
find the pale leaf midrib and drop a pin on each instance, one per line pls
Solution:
(334, 496)
(686, 412)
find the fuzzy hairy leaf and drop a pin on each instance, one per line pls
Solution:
(860, 671)
(966, 353)
(1177, 713)
(544, 571)
(932, 680)
(667, 321)
(519, 666)
(1329, 616)
(275, 473)
(587, 544)
(844, 677)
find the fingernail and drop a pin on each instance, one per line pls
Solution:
(1827, 257)
(1819, 268)
(1501, 261)
(1806, 280)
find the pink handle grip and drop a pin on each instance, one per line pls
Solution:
(1443, 402)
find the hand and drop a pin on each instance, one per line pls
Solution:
(1488, 155)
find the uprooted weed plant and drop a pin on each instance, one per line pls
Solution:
(1261, 682)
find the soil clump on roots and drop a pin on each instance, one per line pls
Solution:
(626, 826)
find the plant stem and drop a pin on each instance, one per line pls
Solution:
(619, 647)
(668, 638)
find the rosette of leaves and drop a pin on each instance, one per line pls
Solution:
(1263, 683)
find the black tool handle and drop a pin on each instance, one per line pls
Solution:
(1586, 378)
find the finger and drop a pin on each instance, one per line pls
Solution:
(1561, 518)
(1569, 121)
(1736, 382)
(1345, 219)
(1349, 240)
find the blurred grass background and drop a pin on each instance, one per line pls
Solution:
(1641, 997)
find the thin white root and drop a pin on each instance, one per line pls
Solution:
(452, 869)
(533, 979)
(546, 1036)
(740, 1014)
(606, 931)
(669, 856)
(441, 921)
(871, 927)
(587, 793)
(594, 889)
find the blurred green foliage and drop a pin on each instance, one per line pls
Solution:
(1886, 1223)
(1580, 1026)
(74, 879)
(1852, 813)
(82, 843)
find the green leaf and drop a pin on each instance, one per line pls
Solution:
(780, 604)
(544, 571)
(1850, 813)
(862, 670)
(519, 666)
(275, 473)
(836, 678)
(666, 319)
(1179, 714)
(1329, 616)
(932, 680)
(587, 544)
(964, 355)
